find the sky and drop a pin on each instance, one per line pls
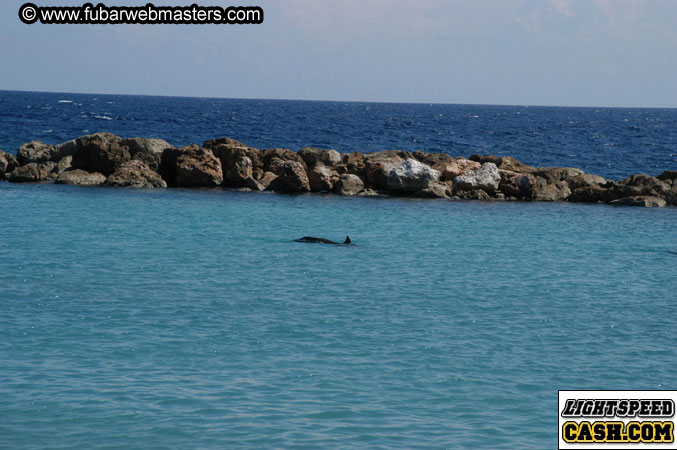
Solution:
(518, 52)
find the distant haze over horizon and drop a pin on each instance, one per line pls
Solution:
(588, 53)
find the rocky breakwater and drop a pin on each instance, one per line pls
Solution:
(107, 159)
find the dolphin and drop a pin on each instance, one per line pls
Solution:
(317, 240)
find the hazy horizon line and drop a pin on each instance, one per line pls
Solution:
(341, 101)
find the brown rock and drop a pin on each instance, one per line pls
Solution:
(322, 178)
(64, 164)
(668, 175)
(585, 180)
(49, 168)
(148, 151)
(101, 152)
(436, 190)
(550, 192)
(64, 149)
(355, 164)
(671, 195)
(486, 158)
(30, 173)
(241, 171)
(273, 159)
(136, 174)
(518, 185)
(553, 175)
(313, 156)
(457, 167)
(7, 164)
(643, 185)
(267, 179)
(588, 194)
(647, 201)
(197, 167)
(230, 151)
(253, 185)
(504, 163)
(394, 156)
(510, 163)
(292, 178)
(80, 177)
(34, 152)
(379, 165)
(477, 194)
(437, 161)
(349, 184)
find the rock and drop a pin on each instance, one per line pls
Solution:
(322, 178)
(273, 159)
(510, 163)
(588, 194)
(671, 195)
(584, 180)
(457, 167)
(378, 166)
(30, 173)
(553, 175)
(136, 174)
(197, 167)
(64, 149)
(435, 190)
(411, 176)
(211, 144)
(34, 152)
(647, 201)
(487, 178)
(7, 164)
(148, 151)
(486, 159)
(230, 151)
(370, 193)
(241, 170)
(64, 164)
(437, 161)
(354, 163)
(389, 154)
(292, 178)
(253, 185)
(80, 177)
(101, 152)
(546, 192)
(49, 168)
(643, 185)
(349, 184)
(518, 185)
(313, 156)
(668, 175)
(504, 163)
(477, 194)
(275, 165)
(267, 179)
(146, 145)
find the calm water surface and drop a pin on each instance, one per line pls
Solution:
(187, 319)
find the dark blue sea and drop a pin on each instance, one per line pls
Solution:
(174, 318)
(611, 142)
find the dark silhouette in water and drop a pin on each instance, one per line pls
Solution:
(317, 240)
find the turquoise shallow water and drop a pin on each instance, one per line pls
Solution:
(188, 319)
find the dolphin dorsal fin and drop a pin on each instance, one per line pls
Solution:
(347, 241)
